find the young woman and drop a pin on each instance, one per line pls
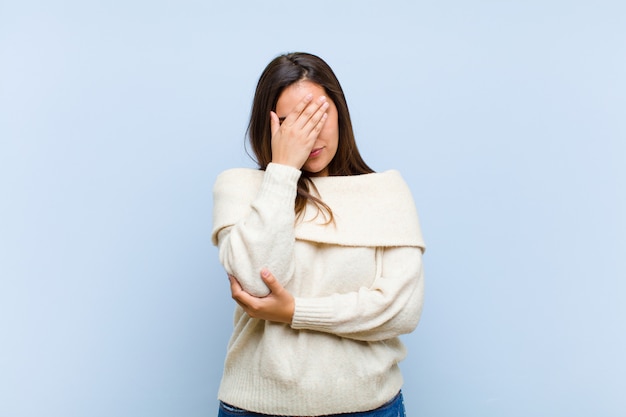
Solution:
(324, 258)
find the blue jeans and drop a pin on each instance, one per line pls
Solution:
(392, 408)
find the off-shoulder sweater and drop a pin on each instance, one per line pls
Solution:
(357, 283)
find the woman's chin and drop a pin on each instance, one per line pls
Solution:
(313, 171)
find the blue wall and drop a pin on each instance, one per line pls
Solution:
(507, 118)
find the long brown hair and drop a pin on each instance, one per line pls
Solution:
(279, 74)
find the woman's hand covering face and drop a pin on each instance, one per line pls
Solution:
(293, 139)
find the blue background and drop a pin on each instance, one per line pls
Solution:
(507, 119)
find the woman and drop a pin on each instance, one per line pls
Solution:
(324, 258)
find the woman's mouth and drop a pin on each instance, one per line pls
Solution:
(315, 152)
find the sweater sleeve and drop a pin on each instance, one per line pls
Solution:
(265, 237)
(391, 306)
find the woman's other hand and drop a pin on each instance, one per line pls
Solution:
(277, 306)
(293, 139)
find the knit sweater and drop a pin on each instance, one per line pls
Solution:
(357, 283)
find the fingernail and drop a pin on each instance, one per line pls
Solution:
(265, 272)
(308, 96)
(322, 99)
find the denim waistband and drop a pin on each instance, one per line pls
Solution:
(392, 408)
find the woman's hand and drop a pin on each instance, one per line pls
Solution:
(278, 306)
(293, 140)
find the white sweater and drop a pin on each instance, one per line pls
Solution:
(358, 285)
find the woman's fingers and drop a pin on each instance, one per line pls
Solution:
(317, 118)
(271, 281)
(235, 287)
(274, 123)
(317, 121)
(297, 111)
(312, 114)
(307, 113)
(238, 294)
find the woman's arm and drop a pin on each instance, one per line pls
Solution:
(265, 237)
(391, 306)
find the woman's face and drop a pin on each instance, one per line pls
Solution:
(325, 146)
